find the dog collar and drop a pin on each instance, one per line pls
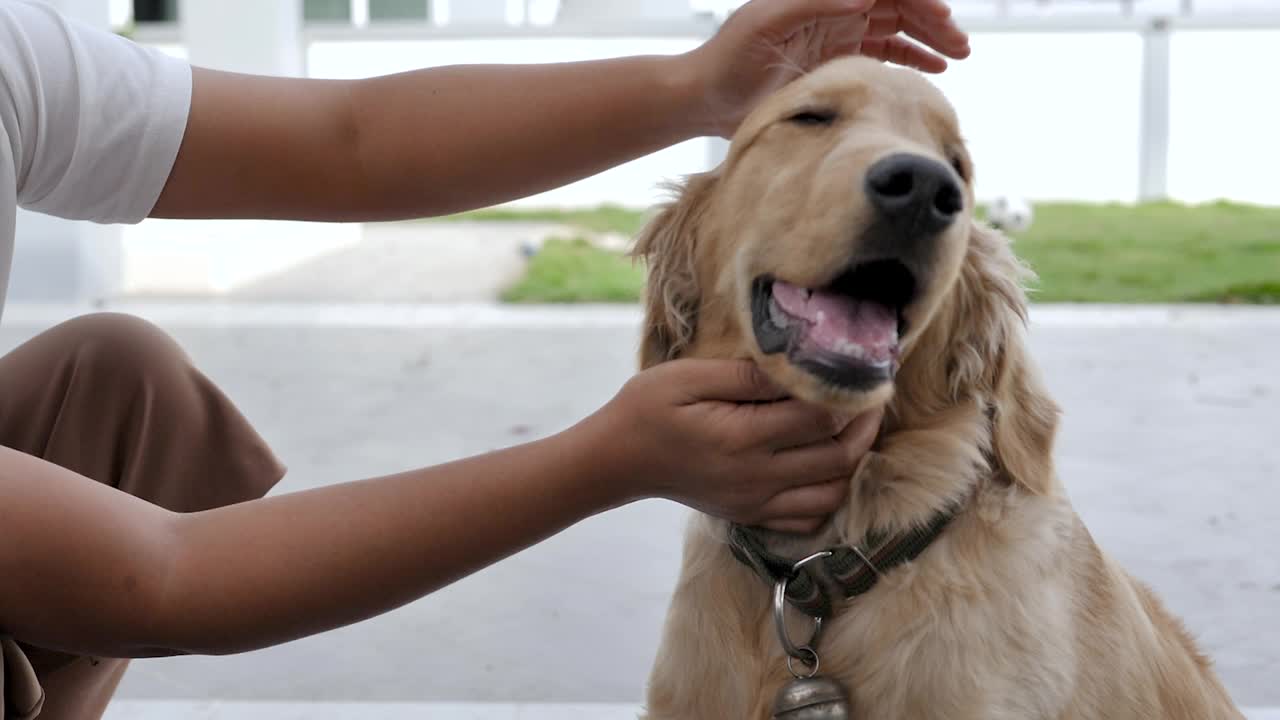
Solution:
(854, 569)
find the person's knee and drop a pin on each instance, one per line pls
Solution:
(122, 348)
(136, 383)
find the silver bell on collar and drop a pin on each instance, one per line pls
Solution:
(808, 696)
(813, 698)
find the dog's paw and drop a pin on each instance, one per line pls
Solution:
(854, 520)
(873, 465)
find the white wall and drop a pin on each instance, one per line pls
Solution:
(1047, 119)
(1048, 115)
(173, 257)
(1225, 116)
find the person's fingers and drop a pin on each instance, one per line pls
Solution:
(779, 14)
(843, 37)
(939, 39)
(933, 10)
(899, 51)
(943, 35)
(801, 465)
(725, 380)
(843, 49)
(790, 424)
(806, 502)
(927, 8)
(923, 22)
(860, 434)
(809, 464)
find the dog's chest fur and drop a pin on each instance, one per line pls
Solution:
(964, 632)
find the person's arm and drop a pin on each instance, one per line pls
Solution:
(423, 143)
(91, 570)
(438, 141)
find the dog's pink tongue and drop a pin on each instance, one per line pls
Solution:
(860, 329)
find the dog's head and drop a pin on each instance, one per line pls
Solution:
(836, 247)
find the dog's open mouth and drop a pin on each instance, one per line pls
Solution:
(846, 333)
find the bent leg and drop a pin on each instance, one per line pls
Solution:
(115, 399)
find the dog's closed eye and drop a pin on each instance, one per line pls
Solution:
(813, 116)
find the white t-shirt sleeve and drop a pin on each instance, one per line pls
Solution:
(94, 120)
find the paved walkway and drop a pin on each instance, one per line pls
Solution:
(403, 262)
(168, 710)
(178, 710)
(1169, 449)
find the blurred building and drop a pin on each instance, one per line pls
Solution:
(1090, 100)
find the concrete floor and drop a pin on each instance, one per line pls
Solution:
(170, 709)
(1169, 450)
(283, 710)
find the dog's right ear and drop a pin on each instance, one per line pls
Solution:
(669, 245)
(1024, 415)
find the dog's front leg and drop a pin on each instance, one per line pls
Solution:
(915, 473)
(709, 665)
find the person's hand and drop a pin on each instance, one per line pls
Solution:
(767, 43)
(717, 436)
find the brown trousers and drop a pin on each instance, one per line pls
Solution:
(114, 399)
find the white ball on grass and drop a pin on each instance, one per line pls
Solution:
(1010, 213)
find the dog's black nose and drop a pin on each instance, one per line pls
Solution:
(914, 193)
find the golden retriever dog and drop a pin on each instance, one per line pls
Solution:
(836, 247)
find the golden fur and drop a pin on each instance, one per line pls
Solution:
(1013, 612)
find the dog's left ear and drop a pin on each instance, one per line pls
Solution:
(1024, 418)
(1024, 415)
(668, 245)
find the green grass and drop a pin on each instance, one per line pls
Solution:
(1156, 252)
(570, 270)
(1263, 293)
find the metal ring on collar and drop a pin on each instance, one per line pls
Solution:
(814, 665)
(804, 651)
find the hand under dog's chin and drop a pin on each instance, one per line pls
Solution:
(805, 385)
